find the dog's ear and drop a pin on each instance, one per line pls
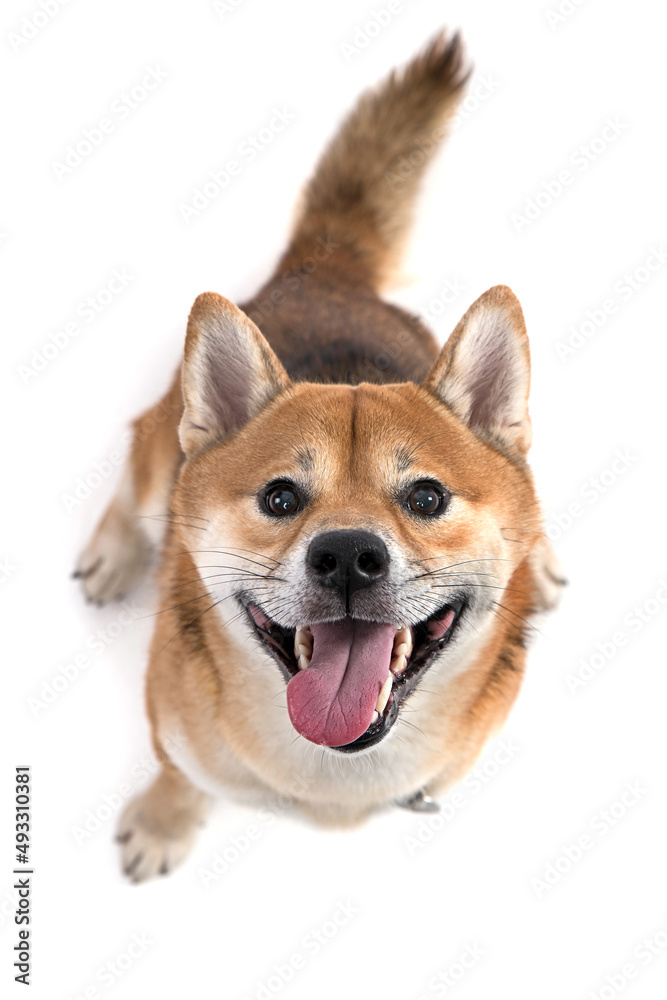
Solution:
(483, 372)
(229, 373)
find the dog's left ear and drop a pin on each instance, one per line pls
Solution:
(483, 372)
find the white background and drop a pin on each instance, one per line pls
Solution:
(476, 882)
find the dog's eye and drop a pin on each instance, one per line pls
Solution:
(282, 499)
(425, 498)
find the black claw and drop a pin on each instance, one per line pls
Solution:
(122, 838)
(129, 869)
(419, 802)
(560, 580)
(76, 574)
(164, 868)
(85, 573)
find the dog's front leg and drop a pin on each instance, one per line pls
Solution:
(157, 828)
(135, 521)
(548, 576)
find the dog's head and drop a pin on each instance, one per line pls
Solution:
(361, 532)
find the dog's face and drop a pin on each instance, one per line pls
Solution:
(360, 532)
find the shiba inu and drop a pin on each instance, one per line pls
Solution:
(351, 542)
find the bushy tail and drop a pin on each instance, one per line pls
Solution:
(365, 184)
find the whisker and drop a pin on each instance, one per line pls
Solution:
(444, 573)
(408, 723)
(223, 552)
(165, 519)
(174, 607)
(525, 531)
(224, 578)
(483, 586)
(520, 617)
(261, 555)
(197, 617)
(234, 569)
(466, 562)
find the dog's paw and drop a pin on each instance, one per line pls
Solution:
(115, 558)
(548, 576)
(147, 847)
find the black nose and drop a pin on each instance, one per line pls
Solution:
(348, 561)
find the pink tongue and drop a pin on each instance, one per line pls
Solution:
(332, 701)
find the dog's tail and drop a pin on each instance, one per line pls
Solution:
(361, 195)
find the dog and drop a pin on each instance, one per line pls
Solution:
(343, 511)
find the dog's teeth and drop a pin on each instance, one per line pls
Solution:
(303, 646)
(398, 664)
(383, 696)
(403, 642)
(376, 716)
(303, 642)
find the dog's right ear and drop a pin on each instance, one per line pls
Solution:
(229, 373)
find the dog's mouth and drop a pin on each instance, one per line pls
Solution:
(347, 679)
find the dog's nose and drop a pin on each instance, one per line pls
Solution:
(348, 561)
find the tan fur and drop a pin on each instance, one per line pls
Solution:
(500, 494)
(134, 524)
(359, 193)
(295, 392)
